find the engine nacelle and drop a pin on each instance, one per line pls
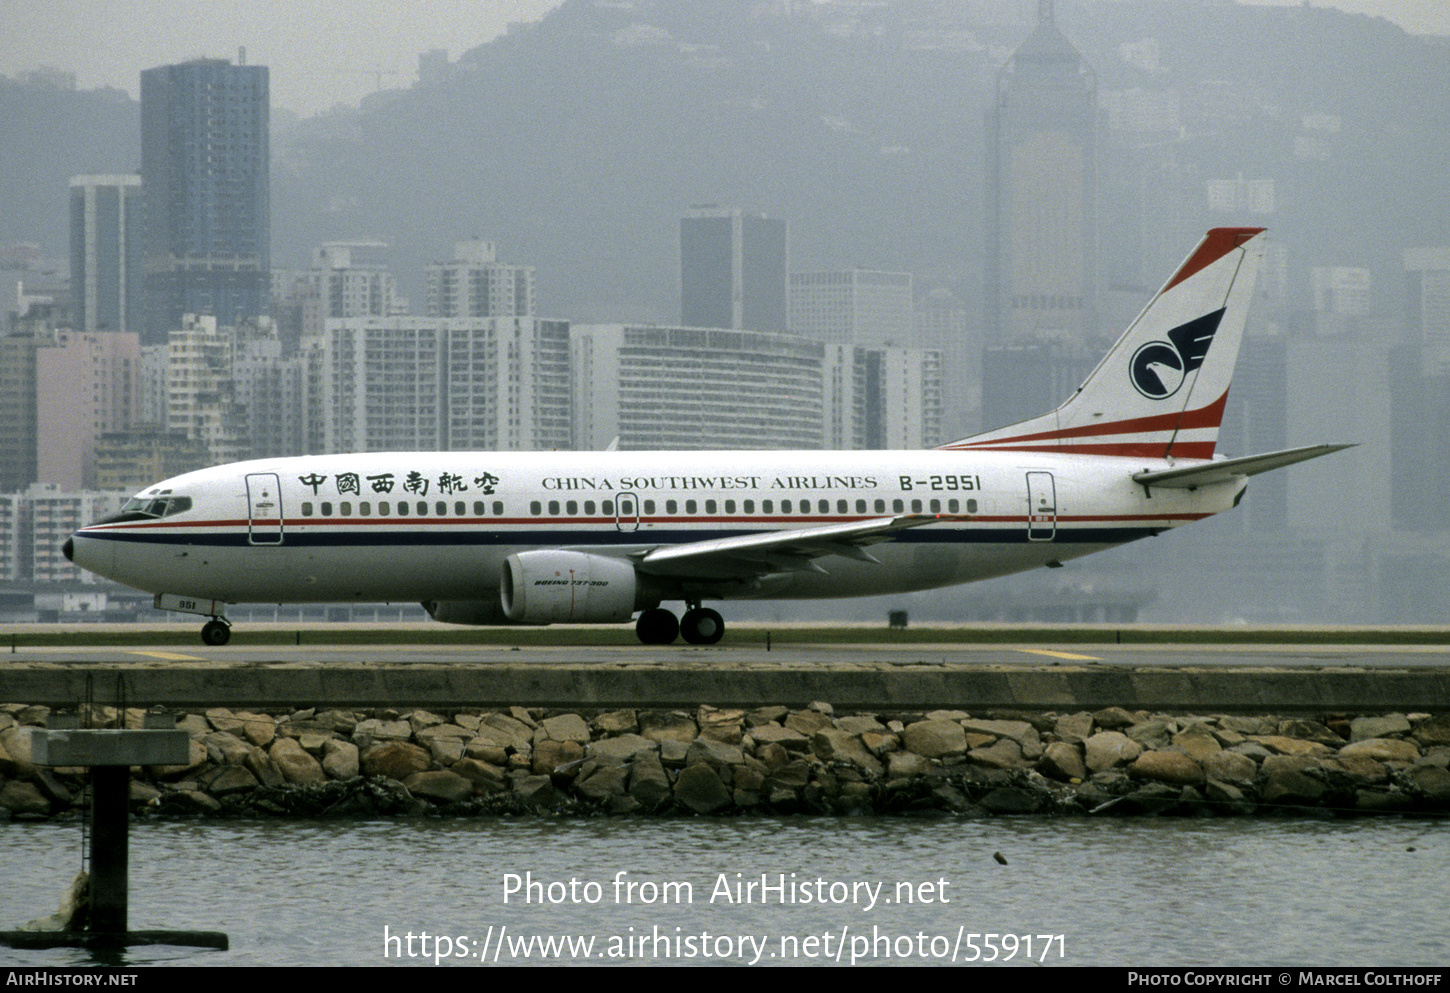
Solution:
(480, 613)
(549, 586)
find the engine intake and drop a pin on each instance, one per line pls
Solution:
(550, 586)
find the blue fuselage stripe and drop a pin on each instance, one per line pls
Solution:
(299, 538)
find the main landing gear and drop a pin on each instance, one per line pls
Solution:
(698, 626)
(216, 632)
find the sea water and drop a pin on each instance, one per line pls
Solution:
(1026, 891)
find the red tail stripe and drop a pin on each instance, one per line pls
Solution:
(1216, 244)
(1210, 416)
(1137, 449)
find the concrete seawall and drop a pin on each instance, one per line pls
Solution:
(700, 737)
(869, 685)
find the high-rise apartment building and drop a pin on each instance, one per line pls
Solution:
(733, 270)
(1427, 303)
(1041, 182)
(86, 385)
(853, 306)
(205, 193)
(105, 252)
(663, 388)
(18, 408)
(476, 284)
(445, 384)
(188, 388)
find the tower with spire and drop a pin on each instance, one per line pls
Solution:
(1041, 181)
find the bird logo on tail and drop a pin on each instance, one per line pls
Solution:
(1159, 368)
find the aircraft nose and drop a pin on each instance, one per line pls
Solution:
(69, 549)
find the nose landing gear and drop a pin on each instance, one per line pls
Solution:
(216, 632)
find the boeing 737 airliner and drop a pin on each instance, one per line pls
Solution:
(540, 538)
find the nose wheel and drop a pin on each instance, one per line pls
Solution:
(216, 632)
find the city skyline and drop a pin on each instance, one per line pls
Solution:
(1333, 299)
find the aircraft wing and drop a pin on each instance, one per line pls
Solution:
(1207, 473)
(751, 555)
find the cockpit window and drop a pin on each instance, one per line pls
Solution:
(148, 507)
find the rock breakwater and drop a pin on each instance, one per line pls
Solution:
(772, 760)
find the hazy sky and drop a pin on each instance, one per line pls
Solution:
(321, 52)
(324, 52)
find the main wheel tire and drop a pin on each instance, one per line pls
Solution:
(216, 633)
(657, 627)
(702, 626)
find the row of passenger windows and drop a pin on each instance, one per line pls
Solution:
(572, 508)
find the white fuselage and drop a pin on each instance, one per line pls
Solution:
(438, 525)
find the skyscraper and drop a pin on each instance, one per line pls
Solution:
(205, 190)
(853, 306)
(1041, 178)
(105, 249)
(733, 270)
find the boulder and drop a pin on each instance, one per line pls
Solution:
(23, 798)
(549, 755)
(1362, 728)
(807, 722)
(1074, 728)
(700, 789)
(648, 782)
(340, 759)
(260, 765)
(420, 720)
(1287, 786)
(297, 766)
(603, 782)
(621, 748)
(564, 727)
(617, 722)
(227, 779)
(1197, 742)
(395, 760)
(440, 786)
(934, 739)
(1382, 750)
(1061, 760)
(1433, 731)
(485, 778)
(834, 745)
(1167, 766)
(1005, 753)
(727, 725)
(662, 725)
(1108, 749)
(1231, 767)
(716, 754)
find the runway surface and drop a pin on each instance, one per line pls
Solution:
(1041, 675)
(848, 656)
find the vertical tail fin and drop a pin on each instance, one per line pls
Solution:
(1162, 387)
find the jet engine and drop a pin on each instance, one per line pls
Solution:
(550, 586)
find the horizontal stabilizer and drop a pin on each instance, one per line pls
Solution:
(1207, 473)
